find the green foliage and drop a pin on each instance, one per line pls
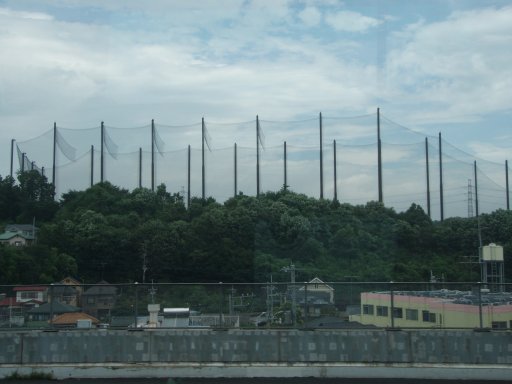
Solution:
(110, 233)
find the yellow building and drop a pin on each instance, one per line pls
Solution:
(435, 309)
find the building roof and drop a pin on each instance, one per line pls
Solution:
(9, 302)
(20, 227)
(72, 318)
(9, 235)
(30, 288)
(56, 307)
(63, 289)
(458, 297)
(102, 288)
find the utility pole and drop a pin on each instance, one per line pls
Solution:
(291, 268)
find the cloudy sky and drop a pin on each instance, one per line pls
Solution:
(432, 66)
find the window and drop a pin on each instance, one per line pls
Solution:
(29, 295)
(499, 324)
(398, 313)
(382, 311)
(367, 309)
(411, 314)
(428, 317)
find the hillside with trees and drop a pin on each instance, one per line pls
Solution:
(109, 233)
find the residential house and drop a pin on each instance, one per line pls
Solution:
(67, 291)
(39, 316)
(72, 319)
(11, 312)
(18, 235)
(26, 293)
(318, 295)
(99, 300)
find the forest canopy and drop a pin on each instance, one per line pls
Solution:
(110, 233)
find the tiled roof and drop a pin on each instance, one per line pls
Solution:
(71, 318)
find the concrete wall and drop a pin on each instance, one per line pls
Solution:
(256, 346)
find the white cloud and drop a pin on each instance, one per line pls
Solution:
(459, 66)
(5, 12)
(349, 21)
(310, 16)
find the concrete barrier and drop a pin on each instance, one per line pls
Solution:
(317, 353)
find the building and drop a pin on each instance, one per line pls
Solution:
(27, 293)
(19, 235)
(67, 291)
(73, 320)
(99, 300)
(436, 309)
(318, 295)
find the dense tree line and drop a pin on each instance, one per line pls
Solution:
(106, 232)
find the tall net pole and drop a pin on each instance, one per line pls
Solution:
(202, 160)
(102, 157)
(257, 156)
(335, 173)
(441, 200)
(153, 155)
(285, 159)
(92, 165)
(54, 153)
(428, 177)
(140, 167)
(235, 171)
(321, 158)
(188, 177)
(379, 157)
(506, 187)
(12, 155)
(476, 189)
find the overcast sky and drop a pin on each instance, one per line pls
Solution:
(429, 65)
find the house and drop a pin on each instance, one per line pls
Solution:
(11, 312)
(19, 235)
(67, 291)
(73, 319)
(39, 316)
(318, 295)
(99, 300)
(26, 293)
(26, 229)
(16, 239)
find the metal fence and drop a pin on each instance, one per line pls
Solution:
(314, 304)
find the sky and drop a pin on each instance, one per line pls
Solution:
(430, 66)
